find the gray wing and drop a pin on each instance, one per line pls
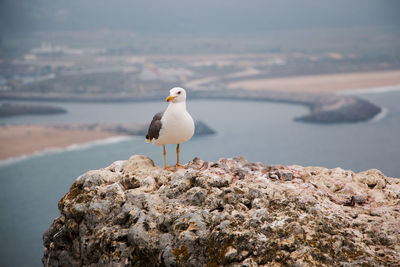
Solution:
(155, 126)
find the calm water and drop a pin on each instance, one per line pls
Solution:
(30, 189)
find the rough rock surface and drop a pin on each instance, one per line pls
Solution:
(228, 213)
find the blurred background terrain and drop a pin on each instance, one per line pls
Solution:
(86, 48)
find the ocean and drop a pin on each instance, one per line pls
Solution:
(30, 187)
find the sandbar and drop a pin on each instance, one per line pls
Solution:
(322, 83)
(17, 140)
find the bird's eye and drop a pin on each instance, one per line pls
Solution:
(179, 93)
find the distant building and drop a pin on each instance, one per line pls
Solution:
(49, 48)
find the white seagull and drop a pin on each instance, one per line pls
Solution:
(172, 126)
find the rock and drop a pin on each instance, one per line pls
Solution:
(226, 213)
(282, 175)
(202, 128)
(334, 109)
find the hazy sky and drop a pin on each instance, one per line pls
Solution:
(195, 16)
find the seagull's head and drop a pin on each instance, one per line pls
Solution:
(176, 94)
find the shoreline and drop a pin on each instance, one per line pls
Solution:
(331, 98)
(324, 107)
(20, 141)
(381, 115)
(322, 83)
(342, 106)
(372, 90)
(71, 147)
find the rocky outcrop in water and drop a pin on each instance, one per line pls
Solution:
(324, 108)
(226, 213)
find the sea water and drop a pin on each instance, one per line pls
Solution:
(30, 187)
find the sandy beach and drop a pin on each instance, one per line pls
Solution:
(322, 83)
(17, 140)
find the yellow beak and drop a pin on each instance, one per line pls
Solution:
(169, 98)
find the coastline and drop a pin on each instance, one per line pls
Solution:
(340, 106)
(20, 140)
(373, 90)
(384, 112)
(323, 83)
(324, 107)
(71, 147)
(331, 98)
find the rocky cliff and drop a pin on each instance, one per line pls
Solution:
(227, 213)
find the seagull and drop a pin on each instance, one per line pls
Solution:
(172, 126)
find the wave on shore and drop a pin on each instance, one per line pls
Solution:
(384, 112)
(374, 90)
(73, 147)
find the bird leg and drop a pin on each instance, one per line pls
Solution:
(177, 157)
(165, 158)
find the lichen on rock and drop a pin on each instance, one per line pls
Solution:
(226, 213)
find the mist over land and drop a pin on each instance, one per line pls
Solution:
(176, 16)
(184, 27)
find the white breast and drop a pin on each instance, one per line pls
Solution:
(177, 125)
